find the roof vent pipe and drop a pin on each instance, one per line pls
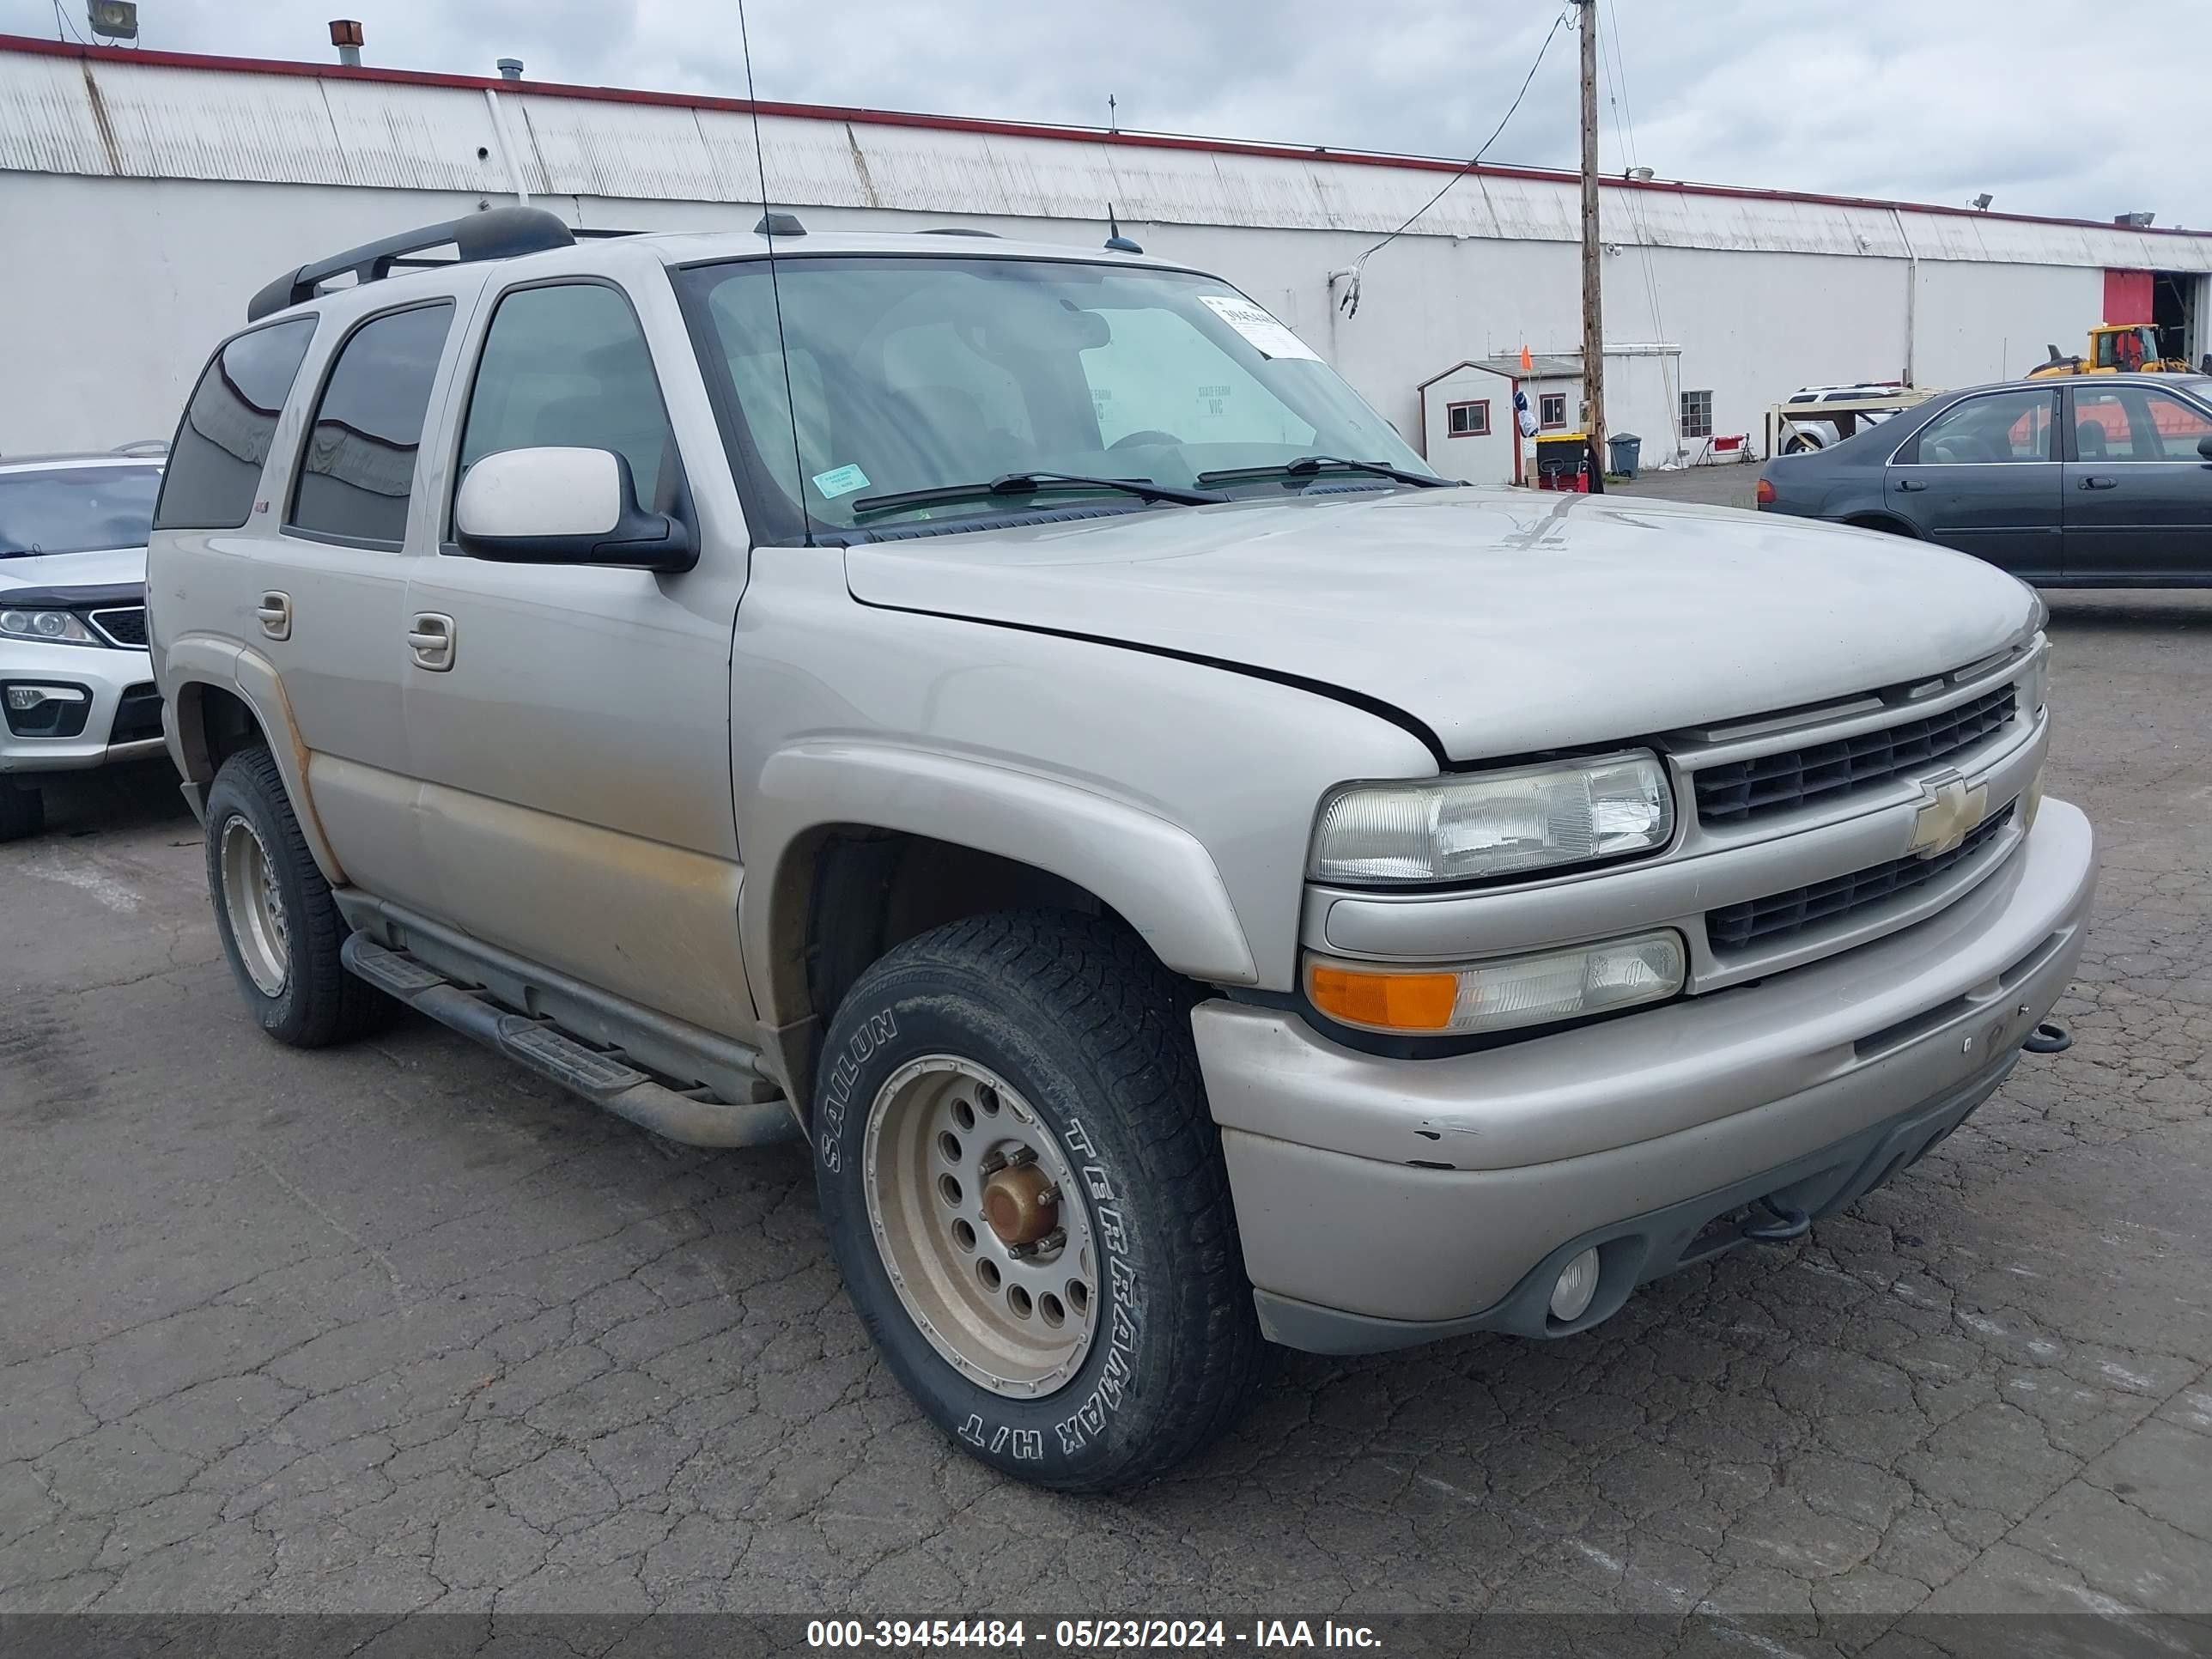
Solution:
(510, 69)
(345, 35)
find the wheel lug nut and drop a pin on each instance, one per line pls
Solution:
(1052, 1241)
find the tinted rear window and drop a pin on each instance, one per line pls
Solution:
(360, 463)
(214, 466)
(76, 509)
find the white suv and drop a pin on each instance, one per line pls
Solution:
(75, 687)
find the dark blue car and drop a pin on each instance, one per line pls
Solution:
(2092, 481)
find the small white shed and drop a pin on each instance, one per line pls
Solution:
(1468, 418)
(1468, 428)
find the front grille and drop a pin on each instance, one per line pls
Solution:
(1741, 790)
(1781, 915)
(125, 625)
(138, 716)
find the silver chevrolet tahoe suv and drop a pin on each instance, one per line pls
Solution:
(1011, 715)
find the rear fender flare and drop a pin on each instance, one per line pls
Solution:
(197, 660)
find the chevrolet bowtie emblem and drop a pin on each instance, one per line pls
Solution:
(1948, 812)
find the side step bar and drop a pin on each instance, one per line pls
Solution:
(605, 1078)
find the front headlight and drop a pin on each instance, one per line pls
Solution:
(1493, 824)
(48, 627)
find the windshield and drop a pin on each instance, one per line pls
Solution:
(917, 374)
(76, 509)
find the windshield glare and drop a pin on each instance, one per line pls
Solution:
(76, 509)
(912, 374)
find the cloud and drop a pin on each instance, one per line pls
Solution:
(2054, 107)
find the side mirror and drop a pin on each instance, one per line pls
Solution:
(2204, 446)
(564, 507)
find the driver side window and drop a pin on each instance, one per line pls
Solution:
(566, 366)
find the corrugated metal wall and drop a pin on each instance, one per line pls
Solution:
(110, 116)
(155, 195)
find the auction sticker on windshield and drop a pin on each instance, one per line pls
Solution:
(1260, 331)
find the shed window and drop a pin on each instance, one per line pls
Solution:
(1696, 414)
(1552, 411)
(1468, 419)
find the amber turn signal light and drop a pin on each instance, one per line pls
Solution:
(1385, 1002)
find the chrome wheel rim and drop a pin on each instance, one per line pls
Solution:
(255, 906)
(981, 1225)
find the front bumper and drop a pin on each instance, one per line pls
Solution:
(1385, 1202)
(119, 683)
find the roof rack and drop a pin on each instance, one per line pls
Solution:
(959, 230)
(499, 232)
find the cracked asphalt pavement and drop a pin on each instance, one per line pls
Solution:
(395, 1327)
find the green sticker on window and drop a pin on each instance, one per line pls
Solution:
(839, 481)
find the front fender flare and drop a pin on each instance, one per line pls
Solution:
(1154, 873)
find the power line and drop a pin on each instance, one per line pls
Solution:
(1350, 303)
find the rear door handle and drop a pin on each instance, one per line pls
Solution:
(2097, 481)
(430, 641)
(1912, 483)
(274, 613)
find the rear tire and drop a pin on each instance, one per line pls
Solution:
(1100, 1353)
(280, 928)
(22, 810)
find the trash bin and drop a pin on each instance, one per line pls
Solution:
(1626, 450)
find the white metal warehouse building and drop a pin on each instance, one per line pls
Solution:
(144, 196)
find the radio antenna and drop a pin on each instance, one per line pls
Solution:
(775, 291)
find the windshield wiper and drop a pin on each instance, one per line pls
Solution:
(1307, 466)
(1032, 483)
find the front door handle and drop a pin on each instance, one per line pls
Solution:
(2097, 481)
(1912, 483)
(430, 641)
(274, 613)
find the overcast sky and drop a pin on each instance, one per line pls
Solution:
(2084, 109)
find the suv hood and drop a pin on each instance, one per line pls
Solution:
(123, 565)
(1504, 621)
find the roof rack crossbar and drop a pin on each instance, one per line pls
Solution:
(495, 234)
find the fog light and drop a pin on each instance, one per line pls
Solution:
(23, 697)
(2031, 801)
(1577, 1284)
(47, 711)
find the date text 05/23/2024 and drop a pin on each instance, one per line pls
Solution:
(1086, 1635)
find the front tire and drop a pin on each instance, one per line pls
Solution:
(1026, 1194)
(22, 810)
(280, 928)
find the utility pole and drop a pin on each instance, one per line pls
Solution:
(1593, 308)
